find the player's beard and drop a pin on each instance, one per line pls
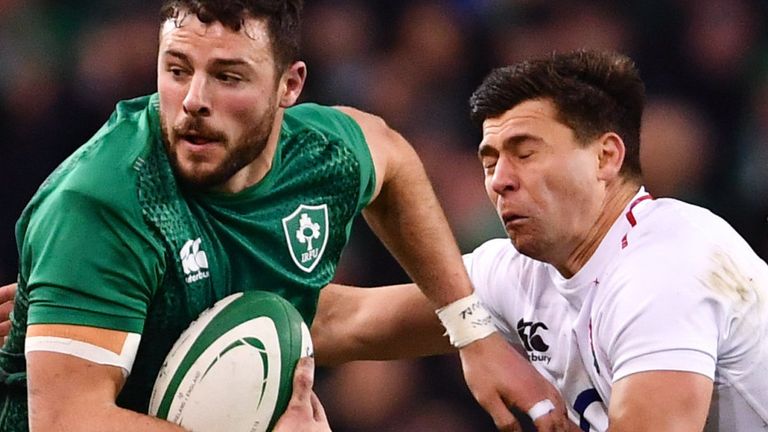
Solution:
(237, 154)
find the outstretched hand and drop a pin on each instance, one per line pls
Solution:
(7, 294)
(500, 378)
(304, 412)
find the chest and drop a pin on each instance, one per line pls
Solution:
(550, 330)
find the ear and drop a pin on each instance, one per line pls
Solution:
(610, 156)
(292, 83)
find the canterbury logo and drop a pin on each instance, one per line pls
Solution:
(194, 261)
(533, 341)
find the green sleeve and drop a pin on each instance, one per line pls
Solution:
(353, 136)
(89, 262)
(335, 123)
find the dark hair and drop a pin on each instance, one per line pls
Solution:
(283, 20)
(594, 92)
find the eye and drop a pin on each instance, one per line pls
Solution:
(489, 164)
(525, 151)
(176, 71)
(229, 78)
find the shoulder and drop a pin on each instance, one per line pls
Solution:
(491, 254)
(674, 240)
(371, 124)
(668, 218)
(102, 173)
(496, 263)
(331, 122)
(680, 259)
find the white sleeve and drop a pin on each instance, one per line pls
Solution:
(659, 318)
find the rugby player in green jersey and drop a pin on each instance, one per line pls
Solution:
(218, 184)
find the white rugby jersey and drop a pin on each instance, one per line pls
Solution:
(671, 287)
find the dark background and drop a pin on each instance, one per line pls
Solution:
(64, 65)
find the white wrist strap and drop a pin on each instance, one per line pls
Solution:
(466, 320)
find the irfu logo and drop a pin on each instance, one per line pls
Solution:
(306, 232)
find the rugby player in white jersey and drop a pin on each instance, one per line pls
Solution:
(647, 314)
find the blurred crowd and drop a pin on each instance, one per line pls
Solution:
(64, 65)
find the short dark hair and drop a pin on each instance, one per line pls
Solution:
(283, 20)
(593, 91)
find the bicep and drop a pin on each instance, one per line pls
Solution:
(375, 324)
(660, 401)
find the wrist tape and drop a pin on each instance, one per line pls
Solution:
(466, 320)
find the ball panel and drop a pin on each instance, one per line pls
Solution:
(233, 368)
(243, 367)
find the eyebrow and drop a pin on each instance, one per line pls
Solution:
(220, 62)
(512, 141)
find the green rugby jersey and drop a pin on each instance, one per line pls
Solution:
(111, 239)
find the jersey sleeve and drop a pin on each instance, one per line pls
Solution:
(660, 317)
(87, 262)
(337, 124)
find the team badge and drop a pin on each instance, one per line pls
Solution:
(306, 232)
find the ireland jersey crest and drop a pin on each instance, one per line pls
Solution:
(306, 232)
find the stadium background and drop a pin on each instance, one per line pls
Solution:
(63, 66)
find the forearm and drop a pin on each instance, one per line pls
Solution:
(67, 393)
(375, 324)
(105, 418)
(407, 217)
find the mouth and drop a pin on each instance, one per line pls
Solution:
(197, 139)
(512, 220)
(195, 143)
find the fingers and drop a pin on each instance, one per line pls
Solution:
(318, 412)
(303, 379)
(502, 417)
(548, 417)
(545, 415)
(7, 292)
(5, 310)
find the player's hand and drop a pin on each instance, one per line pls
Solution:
(304, 412)
(500, 378)
(7, 294)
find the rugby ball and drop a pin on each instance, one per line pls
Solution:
(232, 369)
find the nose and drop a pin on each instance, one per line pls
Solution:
(197, 100)
(504, 178)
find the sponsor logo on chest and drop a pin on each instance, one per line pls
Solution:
(306, 234)
(531, 334)
(194, 261)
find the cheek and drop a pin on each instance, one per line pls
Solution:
(571, 188)
(489, 190)
(245, 110)
(171, 96)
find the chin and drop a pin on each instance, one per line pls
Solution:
(199, 177)
(527, 247)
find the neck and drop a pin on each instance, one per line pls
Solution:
(617, 198)
(255, 171)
